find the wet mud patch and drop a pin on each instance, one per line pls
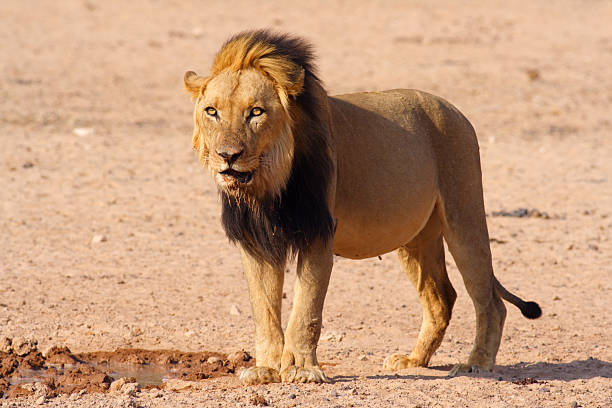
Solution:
(25, 371)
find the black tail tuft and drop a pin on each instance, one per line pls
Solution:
(531, 310)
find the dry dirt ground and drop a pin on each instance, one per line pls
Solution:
(110, 235)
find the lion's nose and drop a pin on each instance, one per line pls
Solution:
(230, 153)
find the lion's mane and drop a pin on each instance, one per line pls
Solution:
(277, 226)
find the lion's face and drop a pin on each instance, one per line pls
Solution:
(243, 133)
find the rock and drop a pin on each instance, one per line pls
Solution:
(238, 357)
(258, 400)
(130, 389)
(155, 393)
(363, 357)
(136, 331)
(83, 131)
(574, 404)
(5, 345)
(333, 336)
(234, 311)
(334, 394)
(117, 384)
(533, 74)
(59, 355)
(292, 396)
(179, 385)
(214, 360)
(22, 346)
(98, 238)
(41, 390)
(197, 32)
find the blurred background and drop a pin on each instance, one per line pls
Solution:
(67, 63)
(110, 233)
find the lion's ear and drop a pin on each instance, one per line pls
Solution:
(297, 83)
(194, 82)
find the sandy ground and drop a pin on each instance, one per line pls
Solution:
(95, 133)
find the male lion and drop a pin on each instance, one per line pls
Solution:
(359, 175)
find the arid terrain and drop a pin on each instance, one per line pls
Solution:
(110, 234)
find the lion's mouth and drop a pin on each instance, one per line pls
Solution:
(242, 177)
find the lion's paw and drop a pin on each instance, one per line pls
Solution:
(398, 361)
(466, 368)
(259, 375)
(304, 375)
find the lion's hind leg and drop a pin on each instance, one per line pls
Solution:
(465, 232)
(423, 261)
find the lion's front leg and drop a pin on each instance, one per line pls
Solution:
(265, 292)
(299, 361)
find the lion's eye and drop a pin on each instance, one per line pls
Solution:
(257, 111)
(211, 111)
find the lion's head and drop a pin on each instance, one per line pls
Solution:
(262, 129)
(243, 118)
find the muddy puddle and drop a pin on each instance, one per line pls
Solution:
(25, 371)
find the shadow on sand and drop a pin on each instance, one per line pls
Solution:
(575, 370)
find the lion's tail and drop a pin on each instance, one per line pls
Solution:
(530, 310)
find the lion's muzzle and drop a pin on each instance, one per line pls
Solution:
(242, 177)
(230, 153)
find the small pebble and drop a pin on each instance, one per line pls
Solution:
(238, 356)
(292, 396)
(574, 404)
(116, 385)
(98, 238)
(130, 389)
(83, 131)
(155, 393)
(334, 394)
(234, 311)
(5, 345)
(213, 360)
(22, 346)
(533, 74)
(500, 378)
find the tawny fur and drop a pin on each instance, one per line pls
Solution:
(357, 175)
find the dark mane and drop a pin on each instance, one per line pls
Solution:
(278, 227)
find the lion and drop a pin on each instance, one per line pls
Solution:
(307, 175)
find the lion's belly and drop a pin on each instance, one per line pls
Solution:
(368, 226)
(387, 178)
